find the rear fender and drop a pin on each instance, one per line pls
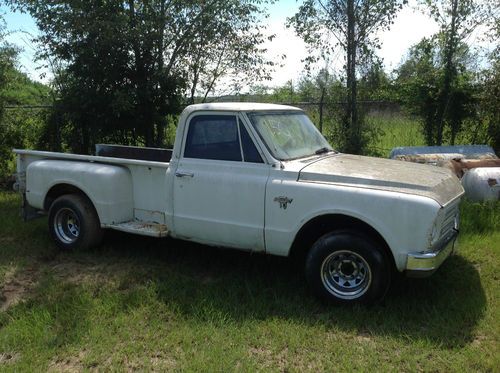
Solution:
(108, 187)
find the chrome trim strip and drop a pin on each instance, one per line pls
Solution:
(454, 199)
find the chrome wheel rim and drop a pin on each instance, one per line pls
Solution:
(346, 274)
(66, 225)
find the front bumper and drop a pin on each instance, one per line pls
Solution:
(424, 264)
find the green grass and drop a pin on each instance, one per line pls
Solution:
(393, 131)
(146, 304)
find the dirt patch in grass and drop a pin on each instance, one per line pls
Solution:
(8, 239)
(150, 361)
(161, 363)
(479, 340)
(68, 364)
(16, 286)
(157, 363)
(269, 359)
(363, 337)
(76, 272)
(8, 358)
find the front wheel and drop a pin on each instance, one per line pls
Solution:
(73, 223)
(346, 268)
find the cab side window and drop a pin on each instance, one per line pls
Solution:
(213, 137)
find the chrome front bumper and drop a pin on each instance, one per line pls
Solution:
(424, 264)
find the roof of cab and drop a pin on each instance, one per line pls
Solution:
(238, 106)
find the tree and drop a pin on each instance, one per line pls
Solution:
(322, 80)
(8, 135)
(351, 25)
(374, 83)
(438, 80)
(286, 93)
(19, 127)
(420, 80)
(489, 97)
(230, 48)
(457, 20)
(127, 65)
(318, 89)
(489, 104)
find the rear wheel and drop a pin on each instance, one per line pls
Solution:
(346, 268)
(73, 223)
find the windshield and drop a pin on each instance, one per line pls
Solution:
(289, 135)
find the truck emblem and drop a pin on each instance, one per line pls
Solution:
(284, 201)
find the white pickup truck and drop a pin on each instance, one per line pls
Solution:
(261, 178)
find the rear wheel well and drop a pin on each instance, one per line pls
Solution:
(59, 190)
(321, 225)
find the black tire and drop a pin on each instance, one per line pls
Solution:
(74, 223)
(347, 268)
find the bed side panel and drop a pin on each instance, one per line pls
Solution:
(109, 187)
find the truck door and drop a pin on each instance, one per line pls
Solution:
(220, 181)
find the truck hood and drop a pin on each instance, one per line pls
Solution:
(384, 174)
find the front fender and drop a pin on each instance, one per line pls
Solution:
(404, 221)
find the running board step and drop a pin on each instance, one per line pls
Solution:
(142, 228)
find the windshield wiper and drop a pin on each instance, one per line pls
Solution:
(322, 150)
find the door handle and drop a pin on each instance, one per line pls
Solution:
(183, 174)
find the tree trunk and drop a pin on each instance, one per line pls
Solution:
(449, 73)
(149, 134)
(321, 104)
(161, 126)
(193, 86)
(161, 121)
(143, 105)
(353, 137)
(85, 144)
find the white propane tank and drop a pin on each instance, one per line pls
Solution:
(482, 184)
